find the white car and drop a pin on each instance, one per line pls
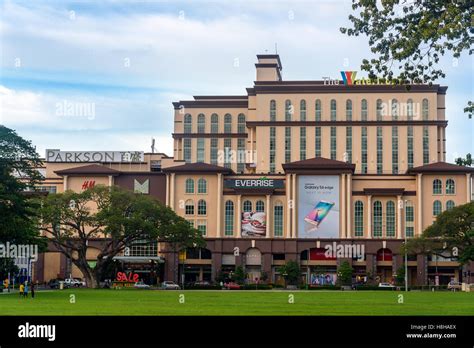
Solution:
(169, 285)
(386, 285)
(71, 282)
(141, 285)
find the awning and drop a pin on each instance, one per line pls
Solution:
(139, 259)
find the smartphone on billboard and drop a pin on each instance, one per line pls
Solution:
(320, 211)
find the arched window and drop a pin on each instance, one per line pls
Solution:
(202, 186)
(436, 208)
(348, 110)
(424, 109)
(379, 110)
(278, 219)
(202, 207)
(390, 222)
(410, 109)
(260, 206)
(437, 187)
(189, 186)
(303, 110)
(189, 207)
(201, 123)
(450, 187)
(188, 123)
(227, 123)
(288, 110)
(363, 110)
(394, 109)
(241, 123)
(333, 110)
(317, 107)
(359, 218)
(377, 219)
(229, 218)
(273, 112)
(214, 123)
(409, 219)
(450, 204)
(247, 206)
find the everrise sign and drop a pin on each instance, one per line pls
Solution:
(262, 182)
(94, 156)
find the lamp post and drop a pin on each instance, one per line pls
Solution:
(406, 259)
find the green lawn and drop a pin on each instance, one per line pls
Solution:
(153, 302)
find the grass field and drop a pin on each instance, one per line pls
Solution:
(152, 302)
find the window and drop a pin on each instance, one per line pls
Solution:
(424, 109)
(394, 150)
(409, 219)
(426, 149)
(201, 123)
(278, 219)
(227, 152)
(379, 110)
(189, 186)
(202, 186)
(49, 189)
(287, 144)
(288, 110)
(436, 208)
(450, 187)
(390, 219)
(379, 150)
(377, 219)
(187, 150)
(189, 207)
(333, 143)
(188, 123)
(450, 204)
(363, 110)
(303, 110)
(272, 110)
(364, 150)
(214, 123)
(229, 218)
(202, 207)
(317, 107)
(200, 150)
(272, 149)
(302, 143)
(394, 109)
(214, 143)
(240, 155)
(143, 247)
(409, 109)
(349, 144)
(202, 227)
(348, 110)
(333, 110)
(227, 123)
(359, 218)
(241, 123)
(317, 142)
(260, 206)
(410, 146)
(247, 207)
(437, 187)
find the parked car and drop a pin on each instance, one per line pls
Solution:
(73, 282)
(202, 283)
(232, 286)
(54, 283)
(386, 285)
(169, 285)
(454, 286)
(141, 285)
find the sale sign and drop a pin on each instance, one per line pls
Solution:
(124, 277)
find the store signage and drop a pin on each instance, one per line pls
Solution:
(94, 156)
(143, 187)
(87, 184)
(262, 182)
(130, 277)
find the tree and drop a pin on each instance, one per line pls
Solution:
(291, 272)
(451, 234)
(344, 273)
(117, 216)
(400, 277)
(467, 162)
(239, 275)
(412, 36)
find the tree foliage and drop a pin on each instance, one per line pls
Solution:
(344, 273)
(291, 272)
(467, 162)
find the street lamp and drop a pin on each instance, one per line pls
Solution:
(406, 257)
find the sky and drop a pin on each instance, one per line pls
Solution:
(101, 75)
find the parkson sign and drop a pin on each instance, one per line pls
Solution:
(262, 182)
(95, 156)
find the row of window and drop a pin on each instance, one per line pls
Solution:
(438, 206)
(396, 109)
(201, 185)
(438, 187)
(201, 123)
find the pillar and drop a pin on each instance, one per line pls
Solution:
(293, 210)
(349, 206)
(219, 205)
(269, 218)
(399, 216)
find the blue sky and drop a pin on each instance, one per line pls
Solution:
(131, 59)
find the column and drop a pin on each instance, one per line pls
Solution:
(219, 205)
(269, 217)
(111, 180)
(288, 205)
(342, 208)
(349, 206)
(172, 191)
(168, 190)
(419, 194)
(293, 211)
(399, 216)
(369, 216)
(468, 187)
(65, 183)
(239, 215)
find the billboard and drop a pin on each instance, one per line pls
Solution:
(94, 156)
(318, 206)
(253, 224)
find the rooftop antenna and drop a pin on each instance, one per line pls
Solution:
(152, 145)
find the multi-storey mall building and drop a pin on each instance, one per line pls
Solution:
(285, 170)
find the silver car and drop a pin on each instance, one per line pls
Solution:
(169, 285)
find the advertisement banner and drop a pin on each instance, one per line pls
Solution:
(318, 206)
(253, 224)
